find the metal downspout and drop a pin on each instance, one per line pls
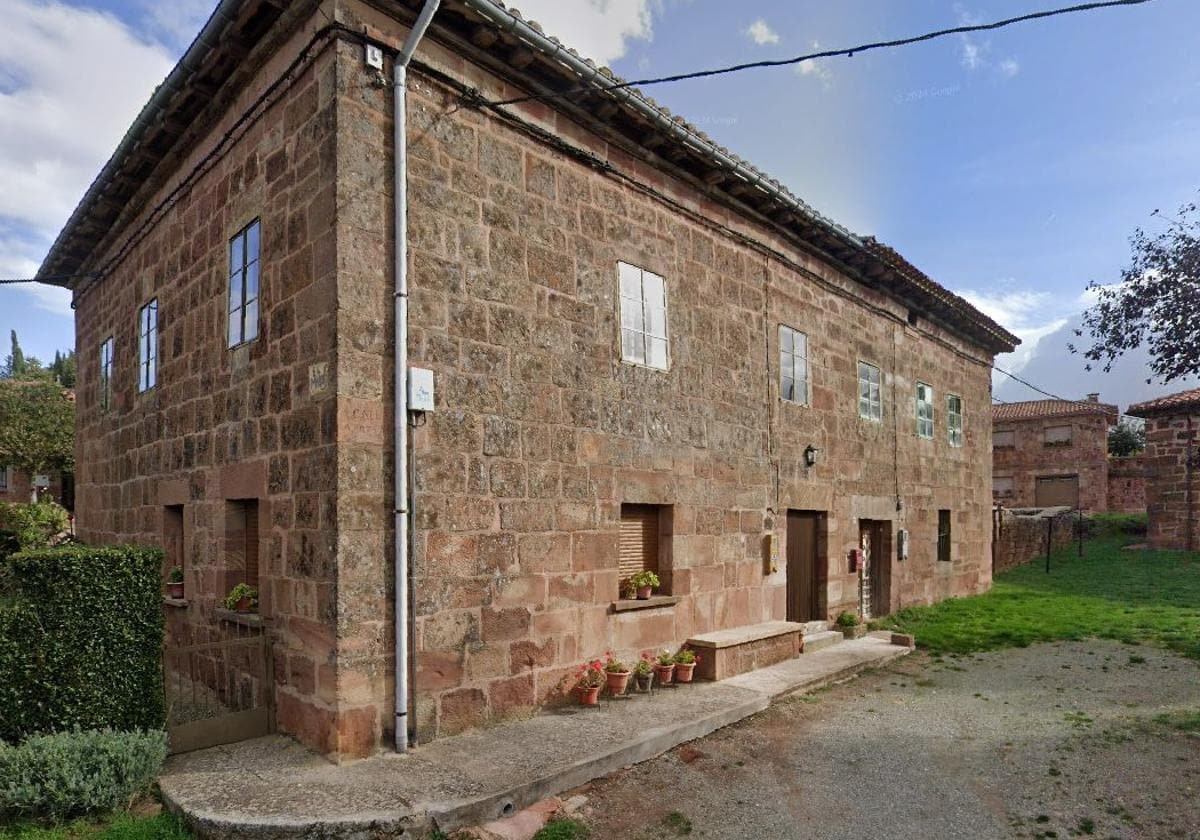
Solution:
(403, 509)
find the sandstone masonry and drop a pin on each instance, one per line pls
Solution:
(1172, 460)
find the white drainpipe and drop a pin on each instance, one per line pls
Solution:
(403, 509)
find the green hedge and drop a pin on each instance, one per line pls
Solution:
(71, 774)
(81, 635)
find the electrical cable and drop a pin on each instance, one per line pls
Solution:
(848, 52)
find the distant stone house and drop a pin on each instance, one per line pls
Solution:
(18, 486)
(1172, 460)
(645, 354)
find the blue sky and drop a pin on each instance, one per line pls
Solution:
(1011, 167)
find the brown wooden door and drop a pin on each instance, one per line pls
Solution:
(1056, 491)
(803, 554)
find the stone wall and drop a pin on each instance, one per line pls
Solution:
(1021, 535)
(1086, 456)
(20, 487)
(1173, 479)
(541, 433)
(1127, 484)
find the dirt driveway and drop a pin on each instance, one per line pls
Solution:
(1056, 740)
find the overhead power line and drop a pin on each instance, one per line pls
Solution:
(1016, 378)
(848, 52)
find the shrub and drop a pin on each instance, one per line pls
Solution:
(81, 641)
(1116, 524)
(847, 619)
(34, 525)
(70, 774)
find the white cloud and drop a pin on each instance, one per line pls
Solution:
(176, 22)
(1025, 313)
(53, 299)
(77, 78)
(1009, 67)
(978, 55)
(817, 68)
(597, 29)
(761, 33)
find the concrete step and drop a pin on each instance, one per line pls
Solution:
(818, 641)
(817, 626)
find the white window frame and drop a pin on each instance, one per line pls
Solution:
(924, 411)
(104, 390)
(148, 346)
(793, 365)
(870, 392)
(244, 287)
(642, 301)
(954, 420)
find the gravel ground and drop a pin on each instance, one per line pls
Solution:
(1056, 740)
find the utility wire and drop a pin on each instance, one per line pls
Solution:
(1016, 378)
(52, 278)
(848, 52)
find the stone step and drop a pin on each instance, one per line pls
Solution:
(818, 641)
(817, 626)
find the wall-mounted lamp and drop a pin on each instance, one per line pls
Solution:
(810, 456)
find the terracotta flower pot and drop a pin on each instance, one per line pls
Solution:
(856, 631)
(644, 592)
(683, 672)
(588, 695)
(175, 590)
(617, 681)
(643, 681)
(664, 673)
(243, 605)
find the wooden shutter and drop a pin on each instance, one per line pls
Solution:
(943, 544)
(250, 511)
(638, 549)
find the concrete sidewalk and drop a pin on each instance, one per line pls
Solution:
(273, 787)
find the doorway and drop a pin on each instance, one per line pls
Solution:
(805, 533)
(875, 540)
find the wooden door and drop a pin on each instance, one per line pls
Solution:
(875, 581)
(1057, 491)
(803, 555)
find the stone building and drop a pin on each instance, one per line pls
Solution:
(1172, 468)
(18, 486)
(1047, 453)
(646, 354)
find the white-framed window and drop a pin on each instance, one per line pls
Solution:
(148, 346)
(924, 411)
(643, 317)
(954, 419)
(104, 389)
(793, 365)
(870, 395)
(243, 284)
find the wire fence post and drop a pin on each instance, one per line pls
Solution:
(1049, 540)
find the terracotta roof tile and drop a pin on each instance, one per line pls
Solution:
(1035, 409)
(1183, 399)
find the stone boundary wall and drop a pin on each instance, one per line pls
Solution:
(1127, 484)
(1021, 534)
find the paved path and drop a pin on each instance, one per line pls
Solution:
(272, 787)
(1057, 740)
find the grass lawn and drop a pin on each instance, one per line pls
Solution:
(122, 827)
(1134, 596)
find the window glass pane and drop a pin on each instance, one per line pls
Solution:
(235, 290)
(800, 369)
(252, 243)
(235, 254)
(652, 290)
(864, 407)
(801, 345)
(788, 389)
(633, 348)
(631, 281)
(152, 373)
(252, 281)
(656, 321)
(235, 326)
(631, 314)
(250, 330)
(657, 349)
(785, 339)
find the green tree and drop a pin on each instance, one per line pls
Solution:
(14, 365)
(1126, 438)
(37, 427)
(62, 369)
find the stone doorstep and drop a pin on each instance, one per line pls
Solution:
(275, 788)
(814, 642)
(734, 636)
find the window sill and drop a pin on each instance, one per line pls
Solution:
(175, 602)
(633, 604)
(244, 619)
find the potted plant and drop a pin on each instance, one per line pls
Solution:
(616, 675)
(685, 664)
(851, 626)
(175, 583)
(589, 679)
(643, 673)
(664, 668)
(242, 598)
(644, 583)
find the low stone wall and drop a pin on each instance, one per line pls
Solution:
(1127, 484)
(1020, 535)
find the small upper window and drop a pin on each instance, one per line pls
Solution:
(1003, 485)
(106, 364)
(870, 399)
(793, 365)
(1004, 439)
(924, 411)
(148, 346)
(943, 536)
(643, 317)
(954, 419)
(243, 285)
(1057, 436)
